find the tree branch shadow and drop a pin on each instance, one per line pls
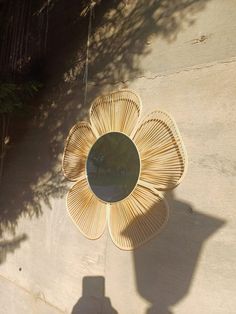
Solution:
(9, 246)
(121, 30)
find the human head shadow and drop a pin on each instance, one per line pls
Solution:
(164, 266)
(93, 300)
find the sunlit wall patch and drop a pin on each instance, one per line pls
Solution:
(120, 166)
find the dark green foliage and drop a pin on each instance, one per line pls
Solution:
(14, 97)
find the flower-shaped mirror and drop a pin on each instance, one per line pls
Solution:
(120, 167)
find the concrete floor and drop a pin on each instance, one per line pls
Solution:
(183, 61)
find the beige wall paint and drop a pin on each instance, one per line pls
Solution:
(190, 267)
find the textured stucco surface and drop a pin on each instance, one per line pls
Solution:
(191, 266)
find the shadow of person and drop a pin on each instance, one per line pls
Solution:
(93, 300)
(164, 267)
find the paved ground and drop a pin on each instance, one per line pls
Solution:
(181, 57)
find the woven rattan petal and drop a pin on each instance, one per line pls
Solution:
(79, 142)
(118, 111)
(161, 150)
(137, 219)
(87, 212)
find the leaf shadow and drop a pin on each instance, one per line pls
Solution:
(121, 31)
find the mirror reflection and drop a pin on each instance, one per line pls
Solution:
(113, 167)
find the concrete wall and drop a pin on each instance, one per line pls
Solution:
(179, 56)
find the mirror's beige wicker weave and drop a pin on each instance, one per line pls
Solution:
(137, 218)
